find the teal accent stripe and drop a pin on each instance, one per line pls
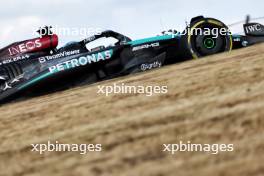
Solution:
(237, 35)
(153, 39)
(35, 80)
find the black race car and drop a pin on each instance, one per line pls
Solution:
(36, 66)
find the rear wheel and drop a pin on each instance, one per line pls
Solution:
(206, 36)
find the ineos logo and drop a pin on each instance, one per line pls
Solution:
(25, 47)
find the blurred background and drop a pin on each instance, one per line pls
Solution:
(136, 19)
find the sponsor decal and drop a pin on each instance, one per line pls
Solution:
(237, 39)
(90, 39)
(15, 59)
(59, 55)
(25, 47)
(82, 61)
(245, 43)
(6, 87)
(9, 84)
(152, 45)
(253, 28)
(153, 65)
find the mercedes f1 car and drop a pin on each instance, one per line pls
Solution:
(36, 66)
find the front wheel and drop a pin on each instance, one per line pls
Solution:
(206, 36)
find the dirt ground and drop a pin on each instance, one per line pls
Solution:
(218, 99)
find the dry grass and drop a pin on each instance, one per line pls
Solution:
(214, 100)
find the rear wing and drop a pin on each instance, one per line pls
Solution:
(254, 29)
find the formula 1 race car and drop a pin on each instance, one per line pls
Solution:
(36, 66)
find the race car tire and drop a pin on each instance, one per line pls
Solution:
(205, 36)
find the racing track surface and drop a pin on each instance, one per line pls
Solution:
(219, 99)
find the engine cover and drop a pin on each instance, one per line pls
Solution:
(29, 46)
